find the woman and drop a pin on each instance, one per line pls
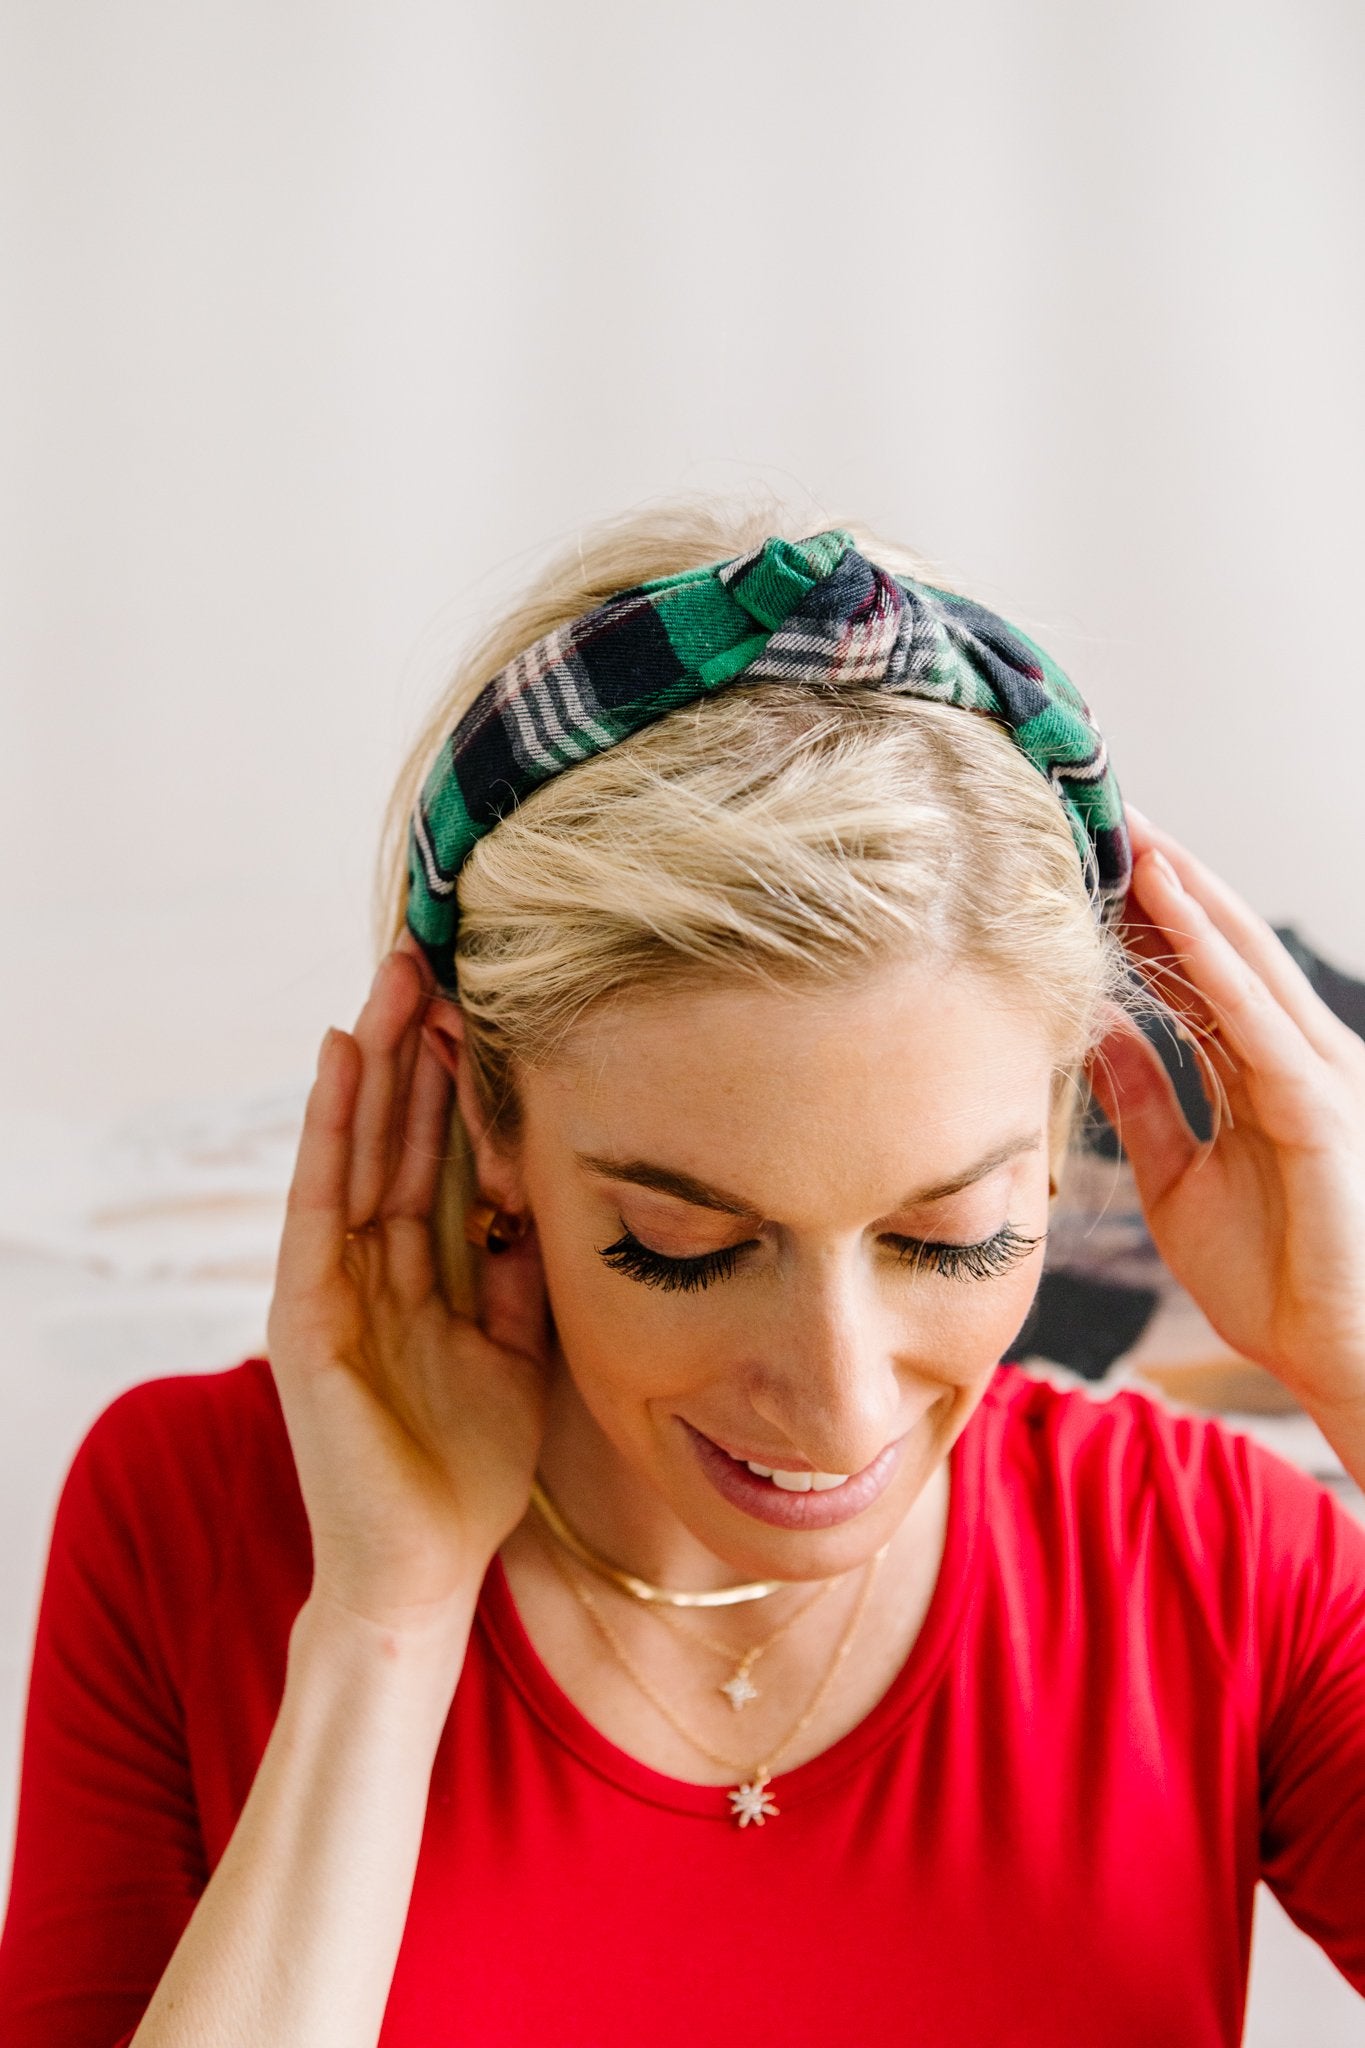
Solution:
(633, 1599)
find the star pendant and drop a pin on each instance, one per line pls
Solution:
(739, 1690)
(752, 1802)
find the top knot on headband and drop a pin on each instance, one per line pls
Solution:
(814, 612)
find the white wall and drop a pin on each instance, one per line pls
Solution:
(321, 322)
(325, 320)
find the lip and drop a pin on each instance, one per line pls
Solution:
(768, 1503)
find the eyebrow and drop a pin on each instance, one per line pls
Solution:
(644, 1174)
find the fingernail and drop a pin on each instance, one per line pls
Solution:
(325, 1047)
(1166, 871)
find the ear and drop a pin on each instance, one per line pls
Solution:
(443, 1033)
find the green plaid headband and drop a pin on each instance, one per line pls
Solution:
(814, 612)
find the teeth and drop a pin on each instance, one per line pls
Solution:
(800, 1482)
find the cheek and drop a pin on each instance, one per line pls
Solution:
(958, 1330)
(961, 1341)
(625, 1343)
(1009, 1311)
(635, 1355)
(1007, 1298)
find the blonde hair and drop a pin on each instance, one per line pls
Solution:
(765, 833)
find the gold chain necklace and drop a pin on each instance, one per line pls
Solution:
(739, 1687)
(641, 1589)
(750, 1799)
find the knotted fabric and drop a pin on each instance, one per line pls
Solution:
(814, 612)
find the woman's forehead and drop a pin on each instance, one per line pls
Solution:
(905, 1017)
(907, 1082)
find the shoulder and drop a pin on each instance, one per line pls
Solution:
(1185, 1503)
(180, 1488)
(178, 1453)
(1199, 1465)
(209, 1418)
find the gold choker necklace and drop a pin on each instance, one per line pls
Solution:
(640, 1589)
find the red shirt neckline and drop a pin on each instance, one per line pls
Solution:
(522, 1663)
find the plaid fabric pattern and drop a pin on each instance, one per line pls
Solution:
(812, 611)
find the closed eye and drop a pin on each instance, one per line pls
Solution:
(995, 1254)
(629, 1256)
(981, 1261)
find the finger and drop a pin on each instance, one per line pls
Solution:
(423, 1145)
(1251, 935)
(410, 1056)
(1261, 1034)
(314, 1230)
(1158, 968)
(1162, 971)
(513, 1304)
(401, 1107)
(410, 1201)
(394, 996)
(1131, 1084)
(1151, 940)
(406, 943)
(408, 1274)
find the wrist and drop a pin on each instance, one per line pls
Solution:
(420, 1653)
(1342, 1421)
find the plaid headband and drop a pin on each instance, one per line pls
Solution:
(814, 612)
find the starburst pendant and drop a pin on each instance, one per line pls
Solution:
(739, 1690)
(752, 1802)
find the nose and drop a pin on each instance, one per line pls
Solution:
(826, 1382)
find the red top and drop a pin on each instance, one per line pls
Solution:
(1140, 1685)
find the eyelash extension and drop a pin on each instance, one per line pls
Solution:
(957, 1261)
(970, 1261)
(629, 1256)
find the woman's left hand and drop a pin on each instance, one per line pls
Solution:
(1265, 1224)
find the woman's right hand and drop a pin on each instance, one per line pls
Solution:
(415, 1429)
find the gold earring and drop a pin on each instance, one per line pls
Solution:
(492, 1228)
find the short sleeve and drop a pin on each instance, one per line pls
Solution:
(1310, 1604)
(108, 1857)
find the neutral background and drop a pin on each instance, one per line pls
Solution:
(324, 322)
